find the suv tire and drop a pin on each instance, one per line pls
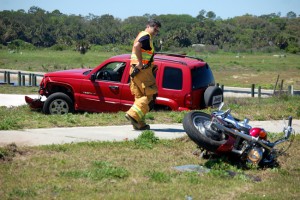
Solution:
(210, 93)
(58, 103)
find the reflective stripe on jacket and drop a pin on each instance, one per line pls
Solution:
(146, 54)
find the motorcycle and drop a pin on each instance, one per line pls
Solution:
(220, 133)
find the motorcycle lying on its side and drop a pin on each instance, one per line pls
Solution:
(222, 134)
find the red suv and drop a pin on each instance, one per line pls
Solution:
(184, 83)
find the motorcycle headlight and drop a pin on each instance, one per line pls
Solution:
(255, 155)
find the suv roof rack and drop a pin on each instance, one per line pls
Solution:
(179, 55)
(171, 60)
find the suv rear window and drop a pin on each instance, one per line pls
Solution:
(202, 77)
(172, 78)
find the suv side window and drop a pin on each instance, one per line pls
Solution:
(172, 78)
(111, 72)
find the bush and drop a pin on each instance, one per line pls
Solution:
(59, 47)
(20, 44)
(293, 48)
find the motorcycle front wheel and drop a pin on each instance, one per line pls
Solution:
(196, 125)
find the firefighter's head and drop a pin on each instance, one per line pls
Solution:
(153, 26)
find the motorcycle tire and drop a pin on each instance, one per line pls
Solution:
(190, 124)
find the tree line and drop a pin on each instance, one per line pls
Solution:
(41, 28)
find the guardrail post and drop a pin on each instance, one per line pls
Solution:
(34, 80)
(8, 78)
(252, 90)
(291, 90)
(259, 91)
(29, 82)
(19, 78)
(5, 76)
(23, 80)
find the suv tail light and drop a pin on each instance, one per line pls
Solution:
(188, 102)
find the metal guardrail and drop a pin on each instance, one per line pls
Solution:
(20, 78)
(30, 79)
(259, 92)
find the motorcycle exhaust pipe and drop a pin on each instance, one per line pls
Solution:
(242, 135)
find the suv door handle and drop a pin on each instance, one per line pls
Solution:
(113, 87)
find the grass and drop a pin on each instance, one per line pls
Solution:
(125, 170)
(44, 60)
(252, 108)
(261, 70)
(9, 89)
(242, 70)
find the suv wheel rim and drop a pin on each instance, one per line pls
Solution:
(58, 106)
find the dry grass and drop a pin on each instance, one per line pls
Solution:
(124, 170)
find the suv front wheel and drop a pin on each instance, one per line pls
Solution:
(58, 103)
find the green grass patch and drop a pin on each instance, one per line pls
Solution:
(146, 140)
(119, 170)
(45, 60)
(98, 170)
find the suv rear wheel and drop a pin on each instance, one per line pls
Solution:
(58, 103)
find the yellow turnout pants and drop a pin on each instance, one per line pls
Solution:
(143, 87)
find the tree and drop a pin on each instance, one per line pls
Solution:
(211, 15)
(201, 16)
(46, 29)
(291, 15)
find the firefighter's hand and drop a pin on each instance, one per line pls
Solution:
(139, 66)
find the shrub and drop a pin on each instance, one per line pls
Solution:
(20, 44)
(59, 47)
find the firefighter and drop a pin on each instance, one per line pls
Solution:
(142, 80)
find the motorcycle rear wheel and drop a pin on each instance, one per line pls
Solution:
(194, 124)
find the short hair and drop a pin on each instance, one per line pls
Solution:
(154, 22)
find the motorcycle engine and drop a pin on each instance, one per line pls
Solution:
(255, 155)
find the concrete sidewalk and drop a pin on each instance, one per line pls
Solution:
(9, 100)
(48, 136)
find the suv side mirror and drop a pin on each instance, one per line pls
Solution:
(93, 77)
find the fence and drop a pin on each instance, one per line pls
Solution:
(259, 92)
(19, 78)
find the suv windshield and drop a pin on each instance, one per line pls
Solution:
(202, 77)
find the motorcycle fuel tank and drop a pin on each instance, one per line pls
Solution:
(258, 132)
